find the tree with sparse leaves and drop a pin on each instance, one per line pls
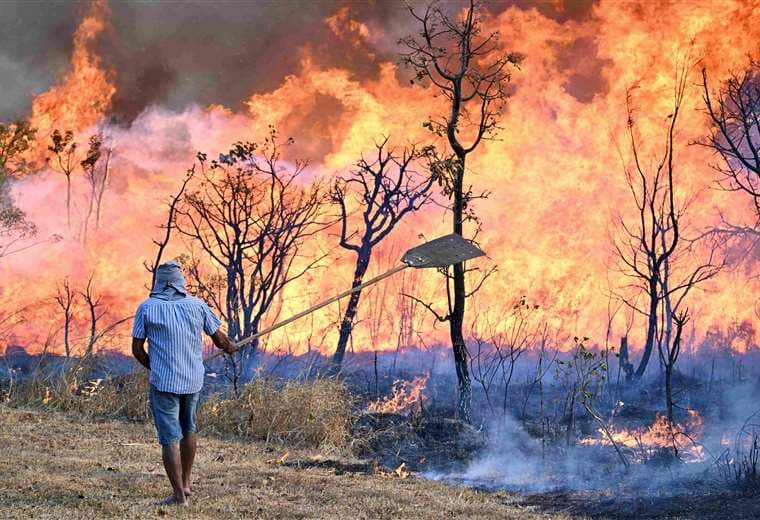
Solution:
(250, 217)
(469, 69)
(15, 140)
(386, 188)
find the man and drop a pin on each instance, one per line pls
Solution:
(172, 323)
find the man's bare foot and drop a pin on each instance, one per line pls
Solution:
(173, 501)
(188, 491)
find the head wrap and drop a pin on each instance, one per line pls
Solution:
(170, 282)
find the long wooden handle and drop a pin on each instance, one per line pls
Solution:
(308, 311)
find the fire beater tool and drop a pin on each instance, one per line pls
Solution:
(440, 252)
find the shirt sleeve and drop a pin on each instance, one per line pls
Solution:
(210, 322)
(138, 328)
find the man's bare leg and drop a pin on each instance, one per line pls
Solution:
(187, 447)
(173, 465)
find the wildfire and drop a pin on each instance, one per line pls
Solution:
(407, 397)
(645, 443)
(84, 94)
(336, 112)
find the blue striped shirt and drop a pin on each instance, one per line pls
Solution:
(173, 329)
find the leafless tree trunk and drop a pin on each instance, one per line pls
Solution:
(168, 227)
(93, 305)
(670, 356)
(468, 69)
(102, 186)
(644, 244)
(652, 248)
(386, 189)
(65, 299)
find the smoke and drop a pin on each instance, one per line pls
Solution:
(198, 52)
(162, 82)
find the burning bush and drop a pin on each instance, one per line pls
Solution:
(406, 397)
(313, 413)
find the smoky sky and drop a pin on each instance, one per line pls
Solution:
(175, 53)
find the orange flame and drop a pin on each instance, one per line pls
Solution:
(407, 397)
(84, 94)
(660, 435)
(554, 174)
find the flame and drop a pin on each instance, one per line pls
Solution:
(661, 435)
(84, 94)
(407, 397)
(554, 174)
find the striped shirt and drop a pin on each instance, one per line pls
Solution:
(173, 329)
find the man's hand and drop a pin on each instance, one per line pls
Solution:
(222, 342)
(138, 350)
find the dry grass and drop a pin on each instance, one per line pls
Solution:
(54, 465)
(71, 390)
(314, 413)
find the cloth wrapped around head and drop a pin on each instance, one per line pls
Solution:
(170, 282)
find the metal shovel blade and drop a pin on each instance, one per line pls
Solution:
(441, 252)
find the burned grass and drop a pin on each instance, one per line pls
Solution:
(55, 465)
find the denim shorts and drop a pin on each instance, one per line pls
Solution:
(174, 414)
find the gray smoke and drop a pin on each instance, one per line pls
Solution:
(178, 53)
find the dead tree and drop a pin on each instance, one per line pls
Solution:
(93, 307)
(64, 150)
(250, 216)
(65, 297)
(468, 69)
(170, 225)
(644, 243)
(385, 188)
(669, 353)
(652, 249)
(734, 111)
(500, 344)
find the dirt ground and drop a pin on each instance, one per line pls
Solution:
(54, 466)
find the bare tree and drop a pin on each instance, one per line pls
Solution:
(734, 111)
(65, 297)
(386, 189)
(170, 225)
(669, 353)
(500, 343)
(250, 217)
(468, 69)
(94, 307)
(652, 245)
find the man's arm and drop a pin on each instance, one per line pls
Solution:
(222, 341)
(138, 350)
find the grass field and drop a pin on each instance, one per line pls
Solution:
(53, 465)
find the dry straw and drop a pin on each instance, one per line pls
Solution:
(313, 413)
